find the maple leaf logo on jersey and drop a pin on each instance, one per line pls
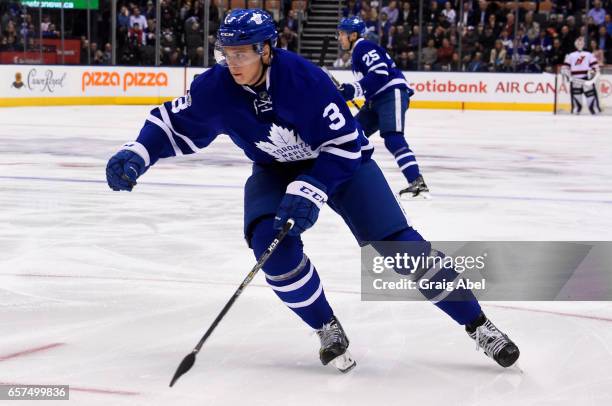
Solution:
(285, 145)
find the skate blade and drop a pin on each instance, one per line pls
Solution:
(344, 363)
(420, 196)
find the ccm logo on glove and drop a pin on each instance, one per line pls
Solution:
(308, 191)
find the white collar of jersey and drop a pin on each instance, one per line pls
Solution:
(357, 42)
(248, 89)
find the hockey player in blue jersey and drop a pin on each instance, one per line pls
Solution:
(387, 97)
(307, 151)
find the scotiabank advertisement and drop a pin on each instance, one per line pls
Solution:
(487, 87)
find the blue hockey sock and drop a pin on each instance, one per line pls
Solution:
(292, 276)
(397, 145)
(460, 304)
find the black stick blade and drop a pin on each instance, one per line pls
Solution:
(323, 51)
(185, 366)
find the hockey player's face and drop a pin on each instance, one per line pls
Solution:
(244, 63)
(344, 40)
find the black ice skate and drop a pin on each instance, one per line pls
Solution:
(495, 344)
(416, 190)
(334, 344)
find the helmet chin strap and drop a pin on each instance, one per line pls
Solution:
(352, 43)
(263, 71)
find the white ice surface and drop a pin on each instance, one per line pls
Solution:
(128, 282)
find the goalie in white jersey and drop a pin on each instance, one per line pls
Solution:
(581, 69)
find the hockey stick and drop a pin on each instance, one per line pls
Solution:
(322, 65)
(189, 360)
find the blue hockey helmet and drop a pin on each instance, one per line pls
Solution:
(352, 24)
(247, 26)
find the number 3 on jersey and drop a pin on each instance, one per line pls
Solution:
(370, 57)
(181, 103)
(332, 112)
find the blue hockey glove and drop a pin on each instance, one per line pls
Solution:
(350, 90)
(123, 169)
(302, 201)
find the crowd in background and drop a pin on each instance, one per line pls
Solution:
(480, 36)
(477, 36)
(181, 38)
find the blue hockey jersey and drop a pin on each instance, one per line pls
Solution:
(375, 70)
(297, 116)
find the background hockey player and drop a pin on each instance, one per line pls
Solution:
(387, 98)
(307, 150)
(582, 71)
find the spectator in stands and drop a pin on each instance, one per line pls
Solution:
(438, 35)
(385, 26)
(509, 26)
(123, 19)
(445, 53)
(538, 58)
(44, 25)
(343, 61)
(389, 45)
(487, 39)
(415, 38)
(401, 40)
(431, 16)
(604, 42)
(455, 65)
(406, 16)
(449, 13)
(544, 41)
(51, 32)
(198, 58)
(476, 65)
(597, 13)
(494, 25)
(136, 36)
(93, 50)
(412, 61)
(532, 28)
(290, 39)
(470, 39)
(498, 55)
(372, 26)
(429, 53)
(98, 58)
(351, 9)
(608, 23)
(150, 10)
(3, 43)
(557, 54)
(507, 66)
(168, 43)
(84, 51)
(571, 25)
(402, 61)
(108, 54)
(137, 18)
(567, 39)
(174, 58)
(478, 14)
(291, 21)
(597, 52)
(150, 37)
(392, 12)
(194, 37)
